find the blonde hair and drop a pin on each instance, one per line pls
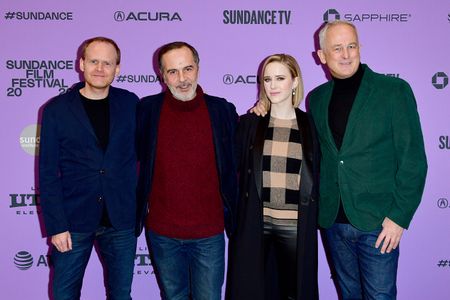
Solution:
(293, 68)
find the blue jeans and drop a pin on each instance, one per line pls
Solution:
(117, 251)
(362, 271)
(192, 267)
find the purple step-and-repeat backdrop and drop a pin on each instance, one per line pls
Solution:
(407, 39)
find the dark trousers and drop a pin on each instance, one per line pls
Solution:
(281, 241)
(118, 251)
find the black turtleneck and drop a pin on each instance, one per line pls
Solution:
(342, 98)
(98, 113)
(344, 94)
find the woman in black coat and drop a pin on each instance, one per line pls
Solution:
(277, 212)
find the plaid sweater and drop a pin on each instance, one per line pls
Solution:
(282, 157)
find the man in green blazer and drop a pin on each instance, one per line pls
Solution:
(373, 165)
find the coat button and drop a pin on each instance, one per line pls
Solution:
(100, 199)
(102, 171)
(246, 195)
(249, 171)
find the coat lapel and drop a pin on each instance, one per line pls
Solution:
(258, 147)
(306, 180)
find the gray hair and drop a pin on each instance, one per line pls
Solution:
(323, 31)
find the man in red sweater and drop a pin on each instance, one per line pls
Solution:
(187, 186)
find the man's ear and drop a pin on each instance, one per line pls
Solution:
(117, 70)
(81, 64)
(321, 56)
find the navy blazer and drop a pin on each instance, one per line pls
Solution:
(223, 118)
(76, 177)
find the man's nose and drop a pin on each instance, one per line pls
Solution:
(345, 52)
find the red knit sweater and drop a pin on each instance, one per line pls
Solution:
(185, 200)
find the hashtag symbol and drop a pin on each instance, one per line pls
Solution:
(442, 263)
(10, 15)
(121, 78)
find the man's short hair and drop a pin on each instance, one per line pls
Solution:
(327, 25)
(102, 39)
(176, 45)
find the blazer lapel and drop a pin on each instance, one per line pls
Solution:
(325, 117)
(114, 113)
(357, 112)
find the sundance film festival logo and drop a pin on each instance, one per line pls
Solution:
(229, 79)
(37, 74)
(39, 15)
(440, 80)
(30, 138)
(121, 16)
(134, 78)
(23, 260)
(332, 14)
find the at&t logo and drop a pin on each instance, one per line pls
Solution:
(440, 80)
(23, 260)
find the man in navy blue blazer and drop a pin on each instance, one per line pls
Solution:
(187, 187)
(87, 175)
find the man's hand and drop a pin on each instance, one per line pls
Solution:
(389, 237)
(259, 109)
(62, 241)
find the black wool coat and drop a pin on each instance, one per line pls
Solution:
(245, 276)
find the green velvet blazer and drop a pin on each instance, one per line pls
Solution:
(381, 167)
